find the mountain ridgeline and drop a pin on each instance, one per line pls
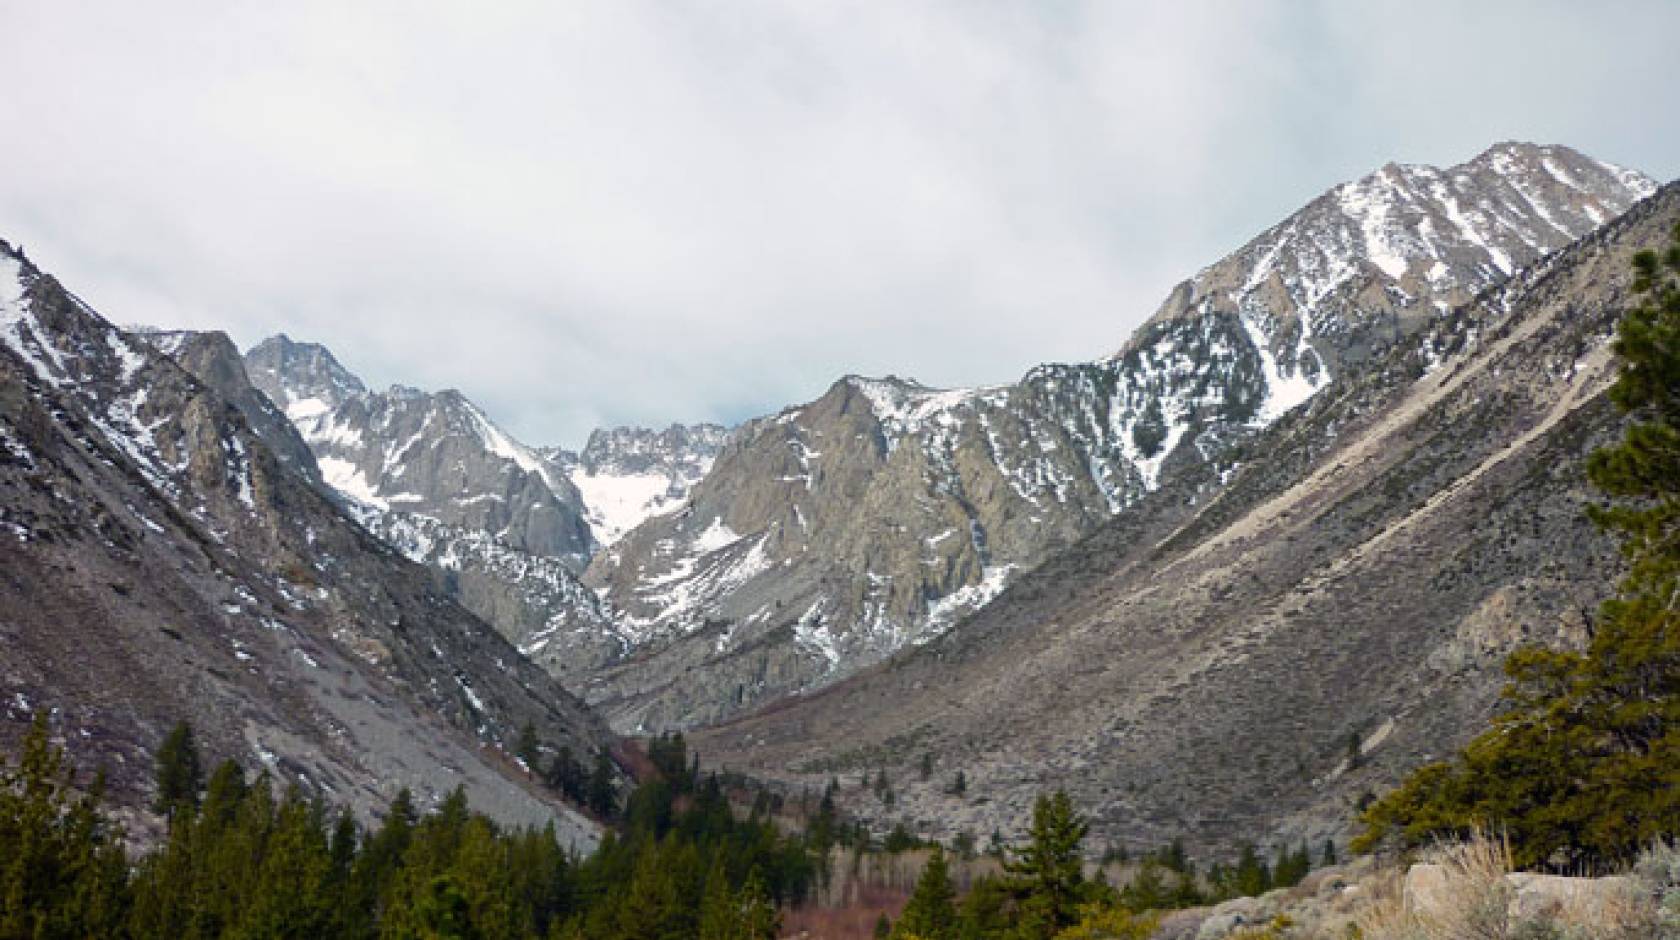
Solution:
(167, 550)
(1269, 636)
(834, 534)
(732, 567)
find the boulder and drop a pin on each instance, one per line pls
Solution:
(1557, 898)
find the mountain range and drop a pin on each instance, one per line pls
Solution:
(1272, 635)
(1336, 466)
(734, 566)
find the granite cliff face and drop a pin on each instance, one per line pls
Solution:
(499, 524)
(836, 533)
(1197, 666)
(166, 553)
(432, 454)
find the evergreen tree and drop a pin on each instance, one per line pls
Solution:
(1147, 891)
(180, 778)
(1049, 873)
(759, 918)
(601, 796)
(720, 914)
(931, 912)
(566, 776)
(1328, 856)
(62, 868)
(1251, 877)
(527, 749)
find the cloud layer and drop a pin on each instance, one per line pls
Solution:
(592, 213)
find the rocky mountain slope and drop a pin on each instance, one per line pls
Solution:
(167, 553)
(833, 534)
(1245, 651)
(500, 524)
(423, 453)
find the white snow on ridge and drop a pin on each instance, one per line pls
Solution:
(1369, 202)
(1283, 392)
(500, 444)
(306, 409)
(903, 406)
(946, 611)
(347, 478)
(615, 503)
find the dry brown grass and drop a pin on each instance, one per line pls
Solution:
(1468, 900)
(1472, 900)
(855, 920)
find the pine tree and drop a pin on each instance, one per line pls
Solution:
(602, 797)
(720, 914)
(1251, 877)
(1328, 856)
(759, 918)
(62, 869)
(567, 776)
(180, 778)
(527, 749)
(931, 912)
(1049, 872)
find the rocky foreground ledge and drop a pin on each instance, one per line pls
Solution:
(1466, 891)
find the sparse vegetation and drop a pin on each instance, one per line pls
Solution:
(1582, 769)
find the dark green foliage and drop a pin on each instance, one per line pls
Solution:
(566, 776)
(62, 871)
(959, 784)
(1251, 877)
(1291, 867)
(1582, 768)
(900, 839)
(241, 863)
(180, 777)
(931, 913)
(684, 863)
(527, 749)
(600, 795)
(1328, 857)
(1150, 431)
(1048, 874)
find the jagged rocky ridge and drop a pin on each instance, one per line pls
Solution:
(499, 523)
(833, 534)
(431, 454)
(1357, 571)
(626, 475)
(167, 552)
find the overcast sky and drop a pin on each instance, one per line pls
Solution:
(584, 213)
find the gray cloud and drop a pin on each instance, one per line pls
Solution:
(622, 212)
